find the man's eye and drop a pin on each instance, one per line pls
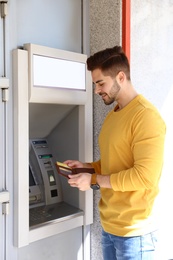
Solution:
(100, 85)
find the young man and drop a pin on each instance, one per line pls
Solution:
(131, 145)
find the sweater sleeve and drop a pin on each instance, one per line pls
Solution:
(97, 166)
(147, 147)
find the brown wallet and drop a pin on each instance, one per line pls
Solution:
(65, 170)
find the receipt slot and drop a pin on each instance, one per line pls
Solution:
(52, 122)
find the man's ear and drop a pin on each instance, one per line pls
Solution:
(121, 77)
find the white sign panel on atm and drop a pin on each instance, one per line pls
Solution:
(58, 73)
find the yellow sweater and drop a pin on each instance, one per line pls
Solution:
(131, 151)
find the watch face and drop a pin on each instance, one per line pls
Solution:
(95, 186)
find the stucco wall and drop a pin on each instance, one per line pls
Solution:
(105, 31)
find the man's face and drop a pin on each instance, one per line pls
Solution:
(105, 86)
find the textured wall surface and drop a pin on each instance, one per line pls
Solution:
(151, 71)
(105, 31)
(151, 48)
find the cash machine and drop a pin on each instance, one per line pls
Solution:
(45, 192)
(52, 122)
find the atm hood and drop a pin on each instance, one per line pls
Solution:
(43, 118)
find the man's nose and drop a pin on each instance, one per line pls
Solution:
(97, 89)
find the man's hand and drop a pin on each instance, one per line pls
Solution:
(81, 181)
(77, 164)
(74, 164)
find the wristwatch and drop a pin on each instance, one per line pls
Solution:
(94, 185)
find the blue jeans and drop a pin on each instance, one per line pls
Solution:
(129, 248)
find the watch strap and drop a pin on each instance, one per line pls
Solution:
(94, 185)
(94, 178)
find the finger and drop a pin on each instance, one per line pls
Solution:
(72, 183)
(73, 176)
(72, 164)
(71, 180)
(67, 162)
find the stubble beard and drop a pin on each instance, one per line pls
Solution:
(112, 97)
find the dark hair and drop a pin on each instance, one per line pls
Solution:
(111, 61)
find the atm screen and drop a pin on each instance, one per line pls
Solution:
(31, 178)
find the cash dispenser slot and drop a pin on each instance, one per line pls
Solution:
(45, 192)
